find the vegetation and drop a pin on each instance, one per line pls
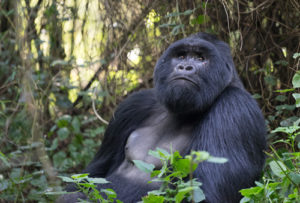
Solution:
(66, 64)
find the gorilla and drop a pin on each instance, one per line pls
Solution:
(198, 103)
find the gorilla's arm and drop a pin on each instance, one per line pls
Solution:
(233, 128)
(128, 116)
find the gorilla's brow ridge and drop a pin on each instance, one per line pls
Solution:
(198, 46)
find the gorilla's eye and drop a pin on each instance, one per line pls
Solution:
(200, 58)
(181, 55)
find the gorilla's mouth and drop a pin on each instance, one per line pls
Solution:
(185, 79)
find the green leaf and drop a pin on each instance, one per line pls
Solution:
(153, 199)
(278, 167)
(57, 193)
(282, 62)
(200, 19)
(160, 153)
(67, 179)
(154, 154)
(251, 191)
(281, 98)
(183, 166)
(288, 130)
(63, 133)
(76, 125)
(285, 107)
(198, 195)
(110, 192)
(40, 182)
(143, 166)
(259, 184)
(296, 55)
(155, 173)
(63, 121)
(98, 180)
(296, 80)
(181, 194)
(163, 152)
(187, 12)
(4, 184)
(59, 158)
(80, 176)
(256, 96)
(176, 29)
(156, 192)
(295, 177)
(4, 159)
(54, 145)
(245, 200)
(174, 14)
(297, 98)
(218, 160)
(270, 80)
(200, 155)
(63, 101)
(86, 184)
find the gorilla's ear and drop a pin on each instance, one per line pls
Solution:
(234, 77)
(229, 68)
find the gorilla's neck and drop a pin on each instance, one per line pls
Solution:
(179, 117)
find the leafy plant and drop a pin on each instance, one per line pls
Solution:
(176, 176)
(88, 186)
(281, 179)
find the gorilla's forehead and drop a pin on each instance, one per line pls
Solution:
(192, 44)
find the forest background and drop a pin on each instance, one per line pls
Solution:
(66, 64)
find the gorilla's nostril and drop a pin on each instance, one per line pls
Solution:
(181, 67)
(189, 68)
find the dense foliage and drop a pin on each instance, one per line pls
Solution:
(66, 64)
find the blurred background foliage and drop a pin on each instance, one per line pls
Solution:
(66, 64)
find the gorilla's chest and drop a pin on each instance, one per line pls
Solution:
(157, 133)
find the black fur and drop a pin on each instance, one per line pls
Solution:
(225, 119)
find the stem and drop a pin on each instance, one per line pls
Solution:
(191, 177)
(285, 173)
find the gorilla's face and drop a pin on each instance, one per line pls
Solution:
(191, 74)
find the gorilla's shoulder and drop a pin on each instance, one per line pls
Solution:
(139, 101)
(145, 96)
(142, 93)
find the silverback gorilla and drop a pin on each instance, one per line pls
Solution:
(198, 103)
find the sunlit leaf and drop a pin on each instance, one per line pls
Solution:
(153, 199)
(143, 166)
(296, 55)
(278, 167)
(251, 191)
(296, 80)
(218, 160)
(295, 177)
(198, 195)
(98, 180)
(67, 179)
(297, 98)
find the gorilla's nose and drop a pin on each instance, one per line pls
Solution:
(185, 69)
